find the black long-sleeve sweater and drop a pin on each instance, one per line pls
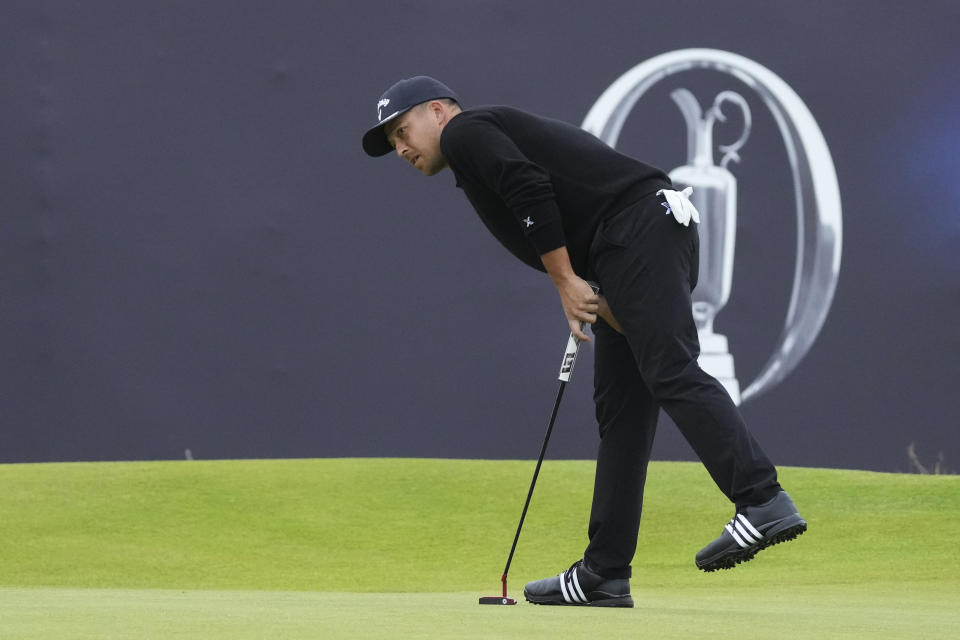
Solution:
(540, 184)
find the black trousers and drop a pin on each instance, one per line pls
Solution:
(647, 265)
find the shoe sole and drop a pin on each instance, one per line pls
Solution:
(784, 531)
(617, 601)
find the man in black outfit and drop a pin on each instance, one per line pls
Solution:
(565, 203)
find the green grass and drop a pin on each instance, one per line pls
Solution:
(359, 548)
(834, 611)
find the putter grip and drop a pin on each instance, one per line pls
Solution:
(573, 348)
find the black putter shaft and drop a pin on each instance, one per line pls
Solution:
(533, 482)
(566, 371)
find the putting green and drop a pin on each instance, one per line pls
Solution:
(909, 610)
(364, 548)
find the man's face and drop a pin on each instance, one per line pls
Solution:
(416, 137)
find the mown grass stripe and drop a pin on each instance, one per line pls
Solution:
(402, 525)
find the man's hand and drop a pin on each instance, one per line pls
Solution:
(580, 303)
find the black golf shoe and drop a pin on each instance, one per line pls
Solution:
(752, 529)
(578, 586)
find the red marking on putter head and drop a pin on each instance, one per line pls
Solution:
(499, 599)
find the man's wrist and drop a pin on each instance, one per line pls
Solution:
(563, 278)
(557, 264)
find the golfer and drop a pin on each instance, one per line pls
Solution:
(565, 203)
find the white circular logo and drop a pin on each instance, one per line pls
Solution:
(816, 194)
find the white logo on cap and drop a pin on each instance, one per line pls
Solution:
(380, 106)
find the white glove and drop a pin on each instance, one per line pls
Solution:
(678, 203)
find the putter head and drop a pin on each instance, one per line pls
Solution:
(497, 600)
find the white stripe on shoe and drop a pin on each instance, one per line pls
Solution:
(570, 588)
(746, 523)
(743, 532)
(563, 587)
(736, 537)
(576, 584)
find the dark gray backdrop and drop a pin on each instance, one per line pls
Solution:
(195, 253)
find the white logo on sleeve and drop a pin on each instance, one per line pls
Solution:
(528, 221)
(380, 106)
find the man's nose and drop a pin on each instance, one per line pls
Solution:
(401, 149)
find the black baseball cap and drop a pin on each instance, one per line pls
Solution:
(396, 101)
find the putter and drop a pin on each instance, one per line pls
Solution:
(566, 371)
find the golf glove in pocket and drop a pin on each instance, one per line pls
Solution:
(678, 203)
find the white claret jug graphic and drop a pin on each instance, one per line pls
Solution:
(816, 199)
(715, 196)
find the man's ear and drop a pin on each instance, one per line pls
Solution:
(436, 108)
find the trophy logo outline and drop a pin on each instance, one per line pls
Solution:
(816, 196)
